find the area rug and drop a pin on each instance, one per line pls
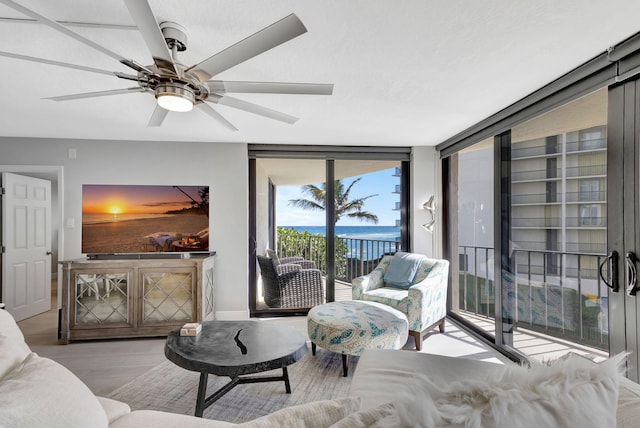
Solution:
(170, 388)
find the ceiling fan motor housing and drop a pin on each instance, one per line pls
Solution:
(175, 35)
(176, 89)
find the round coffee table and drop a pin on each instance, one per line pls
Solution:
(234, 349)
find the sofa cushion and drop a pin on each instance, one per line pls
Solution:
(402, 269)
(628, 413)
(382, 373)
(157, 419)
(113, 408)
(14, 351)
(42, 393)
(570, 392)
(8, 326)
(385, 415)
(317, 414)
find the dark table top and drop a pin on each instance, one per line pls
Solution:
(233, 348)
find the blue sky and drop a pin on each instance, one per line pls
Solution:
(382, 183)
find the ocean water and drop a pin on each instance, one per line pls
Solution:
(377, 233)
(363, 242)
(112, 218)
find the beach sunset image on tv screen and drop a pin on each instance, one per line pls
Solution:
(145, 218)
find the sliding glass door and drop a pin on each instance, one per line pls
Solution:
(290, 223)
(624, 221)
(554, 299)
(471, 220)
(368, 221)
(537, 218)
(340, 216)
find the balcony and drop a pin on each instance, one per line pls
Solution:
(354, 257)
(556, 174)
(543, 150)
(556, 222)
(586, 171)
(556, 198)
(555, 301)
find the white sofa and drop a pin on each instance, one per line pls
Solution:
(38, 392)
(382, 375)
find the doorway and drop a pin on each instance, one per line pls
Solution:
(624, 221)
(53, 174)
(338, 213)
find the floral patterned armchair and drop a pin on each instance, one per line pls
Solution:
(424, 302)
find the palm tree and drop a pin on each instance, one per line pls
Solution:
(344, 207)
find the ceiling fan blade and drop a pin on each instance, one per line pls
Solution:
(265, 39)
(158, 116)
(144, 18)
(97, 94)
(253, 108)
(205, 108)
(222, 86)
(64, 30)
(135, 78)
(57, 63)
(73, 24)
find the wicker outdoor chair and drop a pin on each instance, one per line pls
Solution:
(290, 285)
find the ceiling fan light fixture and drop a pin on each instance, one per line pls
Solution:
(175, 97)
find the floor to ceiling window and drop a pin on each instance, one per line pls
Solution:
(558, 230)
(566, 216)
(551, 220)
(339, 213)
(290, 232)
(472, 214)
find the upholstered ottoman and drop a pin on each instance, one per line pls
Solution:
(350, 327)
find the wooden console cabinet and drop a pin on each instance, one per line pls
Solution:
(121, 297)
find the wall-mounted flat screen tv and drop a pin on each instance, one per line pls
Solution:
(120, 219)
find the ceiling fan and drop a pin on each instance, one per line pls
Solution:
(177, 87)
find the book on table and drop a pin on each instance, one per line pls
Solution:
(191, 329)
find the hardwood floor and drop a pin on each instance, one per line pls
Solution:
(104, 365)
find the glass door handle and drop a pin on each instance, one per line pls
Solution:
(632, 274)
(613, 259)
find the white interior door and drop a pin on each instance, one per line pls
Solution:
(26, 239)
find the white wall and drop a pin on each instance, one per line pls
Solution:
(223, 167)
(262, 208)
(425, 181)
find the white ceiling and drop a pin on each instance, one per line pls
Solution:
(410, 72)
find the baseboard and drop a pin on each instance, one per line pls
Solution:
(232, 315)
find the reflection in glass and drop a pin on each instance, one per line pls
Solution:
(558, 229)
(101, 298)
(167, 296)
(473, 276)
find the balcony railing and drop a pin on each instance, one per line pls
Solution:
(556, 197)
(555, 222)
(354, 257)
(570, 172)
(558, 293)
(571, 147)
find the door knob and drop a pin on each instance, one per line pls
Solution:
(49, 253)
(613, 259)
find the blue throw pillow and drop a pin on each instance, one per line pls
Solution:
(403, 269)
